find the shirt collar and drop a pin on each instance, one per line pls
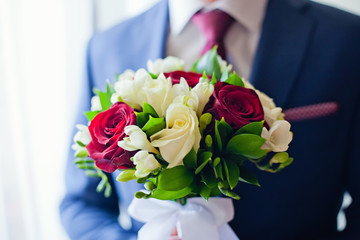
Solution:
(249, 13)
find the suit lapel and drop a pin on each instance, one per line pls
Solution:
(282, 48)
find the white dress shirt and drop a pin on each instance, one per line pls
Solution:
(186, 41)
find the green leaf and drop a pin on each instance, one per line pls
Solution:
(91, 114)
(209, 63)
(208, 176)
(233, 173)
(247, 145)
(176, 178)
(252, 128)
(205, 192)
(226, 169)
(234, 79)
(141, 119)
(80, 144)
(204, 158)
(223, 132)
(204, 76)
(213, 79)
(92, 173)
(219, 171)
(190, 160)
(81, 153)
(105, 97)
(229, 193)
(148, 109)
(153, 76)
(126, 175)
(154, 125)
(170, 195)
(224, 76)
(248, 177)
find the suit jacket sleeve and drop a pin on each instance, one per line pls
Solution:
(352, 230)
(86, 214)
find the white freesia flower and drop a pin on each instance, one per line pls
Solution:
(127, 74)
(137, 140)
(271, 112)
(83, 135)
(130, 88)
(278, 137)
(169, 64)
(180, 135)
(95, 104)
(184, 95)
(145, 163)
(204, 89)
(224, 66)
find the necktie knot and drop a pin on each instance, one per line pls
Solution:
(213, 26)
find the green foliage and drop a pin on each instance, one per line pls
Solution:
(143, 117)
(247, 145)
(248, 177)
(105, 97)
(154, 125)
(252, 128)
(170, 195)
(204, 158)
(190, 160)
(91, 115)
(223, 132)
(148, 109)
(224, 76)
(174, 179)
(209, 63)
(234, 79)
(232, 173)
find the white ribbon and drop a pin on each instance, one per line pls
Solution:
(198, 219)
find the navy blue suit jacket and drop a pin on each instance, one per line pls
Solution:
(308, 53)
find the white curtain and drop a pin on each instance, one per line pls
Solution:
(41, 47)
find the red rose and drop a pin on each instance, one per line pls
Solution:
(106, 130)
(237, 105)
(191, 78)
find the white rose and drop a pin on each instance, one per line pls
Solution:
(180, 135)
(204, 89)
(158, 93)
(95, 104)
(145, 163)
(169, 64)
(137, 140)
(130, 88)
(278, 137)
(127, 74)
(83, 135)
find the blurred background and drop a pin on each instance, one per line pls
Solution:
(42, 45)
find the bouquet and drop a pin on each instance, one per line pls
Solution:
(186, 137)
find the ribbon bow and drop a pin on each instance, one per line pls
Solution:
(198, 219)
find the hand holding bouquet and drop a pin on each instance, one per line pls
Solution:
(182, 134)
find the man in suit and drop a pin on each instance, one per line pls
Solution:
(298, 52)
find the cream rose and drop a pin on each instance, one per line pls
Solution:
(180, 135)
(271, 112)
(145, 163)
(278, 137)
(169, 64)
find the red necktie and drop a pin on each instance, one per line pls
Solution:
(213, 25)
